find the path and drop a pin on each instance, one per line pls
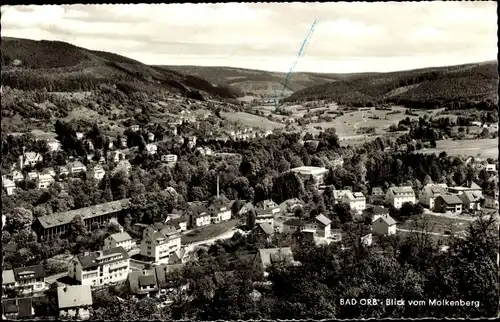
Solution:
(462, 217)
(428, 232)
(190, 247)
(363, 121)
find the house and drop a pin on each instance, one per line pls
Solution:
(50, 226)
(292, 225)
(430, 192)
(9, 186)
(245, 209)
(76, 167)
(151, 137)
(159, 242)
(263, 229)
(143, 283)
(271, 206)
(264, 216)
(367, 240)
(204, 150)
(318, 173)
(198, 217)
(320, 225)
(336, 235)
(63, 171)
(25, 280)
(179, 223)
(102, 267)
(469, 186)
(151, 148)
(179, 257)
(33, 175)
(30, 159)
(18, 308)
(49, 171)
(122, 239)
(265, 258)
(448, 204)
(170, 159)
(74, 301)
(339, 194)
(356, 201)
(397, 196)
(54, 145)
(124, 166)
(476, 123)
(219, 211)
(45, 180)
(384, 225)
(17, 176)
(116, 156)
(375, 212)
(377, 192)
(491, 167)
(135, 128)
(471, 200)
(491, 203)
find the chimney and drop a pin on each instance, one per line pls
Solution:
(21, 162)
(217, 186)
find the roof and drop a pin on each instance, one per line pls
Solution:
(6, 183)
(147, 280)
(120, 237)
(270, 255)
(339, 193)
(359, 195)
(266, 228)
(435, 189)
(76, 164)
(25, 306)
(134, 276)
(37, 270)
(470, 196)
(293, 222)
(62, 218)
(162, 271)
(387, 219)
(451, 199)
(8, 277)
(378, 210)
(323, 219)
(74, 296)
(473, 185)
(32, 155)
(310, 170)
(403, 189)
(377, 190)
(90, 260)
(9, 306)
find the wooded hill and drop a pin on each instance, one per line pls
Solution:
(462, 86)
(62, 67)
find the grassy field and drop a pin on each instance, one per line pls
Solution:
(208, 232)
(252, 120)
(439, 224)
(485, 148)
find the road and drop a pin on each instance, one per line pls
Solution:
(428, 232)
(190, 247)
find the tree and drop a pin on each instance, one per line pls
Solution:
(251, 219)
(20, 218)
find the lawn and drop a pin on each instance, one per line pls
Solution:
(439, 224)
(208, 232)
(484, 148)
(252, 120)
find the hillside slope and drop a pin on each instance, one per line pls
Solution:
(259, 82)
(452, 86)
(59, 66)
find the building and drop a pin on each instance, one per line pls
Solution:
(76, 167)
(375, 212)
(491, 203)
(115, 156)
(356, 201)
(17, 176)
(430, 192)
(74, 301)
(30, 159)
(178, 257)
(54, 145)
(143, 283)
(264, 230)
(204, 150)
(367, 240)
(469, 186)
(135, 127)
(384, 225)
(123, 165)
(9, 186)
(25, 280)
(97, 172)
(151, 148)
(264, 216)
(159, 242)
(169, 159)
(471, 200)
(271, 206)
(178, 222)
(339, 194)
(245, 209)
(63, 171)
(45, 180)
(198, 216)
(33, 176)
(219, 211)
(397, 196)
(18, 308)
(377, 192)
(122, 239)
(318, 173)
(320, 225)
(57, 224)
(491, 167)
(265, 258)
(103, 267)
(336, 235)
(49, 171)
(448, 204)
(292, 225)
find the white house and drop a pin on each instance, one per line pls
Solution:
(74, 301)
(30, 159)
(102, 267)
(219, 212)
(159, 243)
(45, 180)
(318, 173)
(54, 145)
(33, 175)
(384, 225)
(135, 127)
(356, 201)
(151, 148)
(170, 159)
(198, 216)
(76, 167)
(98, 172)
(122, 239)
(338, 195)
(17, 176)
(320, 225)
(491, 167)
(26, 280)
(8, 185)
(396, 196)
(430, 192)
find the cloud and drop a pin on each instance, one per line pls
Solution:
(350, 37)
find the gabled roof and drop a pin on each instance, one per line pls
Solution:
(470, 196)
(271, 255)
(451, 199)
(293, 222)
(473, 185)
(37, 270)
(147, 280)
(402, 189)
(266, 228)
(377, 190)
(90, 260)
(8, 277)
(120, 237)
(323, 220)
(25, 306)
(74, 296)
(387, 219)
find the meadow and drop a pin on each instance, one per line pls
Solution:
(484, 148)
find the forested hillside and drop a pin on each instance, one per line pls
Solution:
(62, 67)
(454, 86)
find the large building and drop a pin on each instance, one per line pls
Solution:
(158, 243)
(318, 173)
(356, 201)
(122, 239)
(397, 196)
(25, 280)
(56, 224)
(103, 267)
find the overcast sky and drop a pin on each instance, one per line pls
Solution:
(349, 37)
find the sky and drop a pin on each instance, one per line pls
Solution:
(349, 37)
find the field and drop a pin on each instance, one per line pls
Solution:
(252, 120)
(484, 148)
(438, 223)
(208, 232)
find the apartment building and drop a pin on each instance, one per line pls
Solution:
(25, 280)
(158, 242)
(122, 239)
(45, 180)
(102, 267)
(356, 201)
(397, 196)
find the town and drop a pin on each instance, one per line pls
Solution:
(134, 191)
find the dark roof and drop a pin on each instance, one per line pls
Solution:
(90, 260)
(451, 199)
(377, 190)
(266, 228)
(147, 280)
(293, 222)
(25, 307)
(62, 218)
(378, 210)
(387, 219)
(9, 306)
(38, 270)
(162, 271)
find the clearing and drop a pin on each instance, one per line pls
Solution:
(484, 148)
(208, 232)
(438, 223)
(252, 120)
